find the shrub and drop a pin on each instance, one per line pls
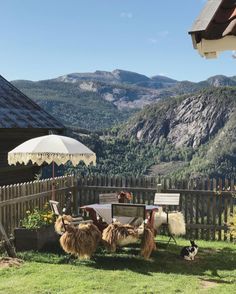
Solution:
(232, 226)
(38, 218)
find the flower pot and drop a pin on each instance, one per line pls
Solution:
(35, 239)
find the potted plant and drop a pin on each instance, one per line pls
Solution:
(36, 231)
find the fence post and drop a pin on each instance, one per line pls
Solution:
(9, 248)
(75, 196)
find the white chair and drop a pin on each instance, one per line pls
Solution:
(166, 200)
(57, 212)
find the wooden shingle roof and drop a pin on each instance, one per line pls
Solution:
(214, 30)
(18, 111)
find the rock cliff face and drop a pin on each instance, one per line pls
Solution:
(188, 121)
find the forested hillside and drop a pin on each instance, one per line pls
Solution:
(73, 106)
(185, 128)
(190, 135)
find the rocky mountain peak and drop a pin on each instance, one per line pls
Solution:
(221, 81)
(129, 77)
(189, 121)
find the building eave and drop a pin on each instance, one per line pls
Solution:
(212, 48)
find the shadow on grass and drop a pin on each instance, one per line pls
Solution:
(209, 261)
(168, 260)
(217, 281)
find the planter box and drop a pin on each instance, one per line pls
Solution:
(35, 239)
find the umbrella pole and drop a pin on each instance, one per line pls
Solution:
(53, 180)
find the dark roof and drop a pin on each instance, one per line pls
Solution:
(217, 20)
(18, 111)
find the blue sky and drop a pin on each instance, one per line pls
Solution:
(43, 39)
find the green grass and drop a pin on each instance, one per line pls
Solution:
(213, 271)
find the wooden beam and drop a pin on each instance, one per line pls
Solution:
(8, 246)
(206, 227)
(154, 190)
(112, 188)
(32, 196)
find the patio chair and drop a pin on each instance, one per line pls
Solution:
(67, 207)
(57, 212)
(167, 200)
(108, 198)
(128, 210)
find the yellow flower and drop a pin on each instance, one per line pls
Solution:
(27, 211)
(46, 205)
(45, 219)
(50, 221)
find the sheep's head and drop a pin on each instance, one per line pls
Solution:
(59, 226)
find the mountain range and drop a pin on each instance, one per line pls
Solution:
(120, 77)
(153, 125)
(102, 99)
(132, 78)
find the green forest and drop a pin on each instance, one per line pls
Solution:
(207, 147)
(120, 153)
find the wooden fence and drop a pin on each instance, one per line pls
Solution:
(16, 199)
(206, 204)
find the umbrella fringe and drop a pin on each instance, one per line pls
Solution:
(58, 158)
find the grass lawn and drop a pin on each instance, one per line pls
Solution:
(213, 271)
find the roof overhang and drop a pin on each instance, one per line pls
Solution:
(210, 48)
(207, 14)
